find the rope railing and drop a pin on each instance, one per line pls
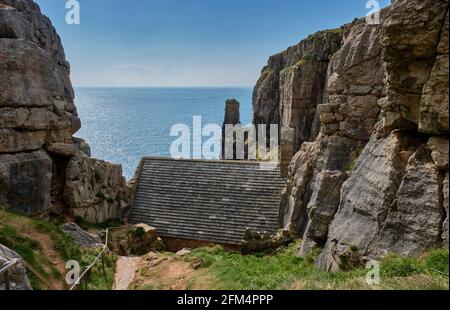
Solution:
(88, 268)
(14, 261)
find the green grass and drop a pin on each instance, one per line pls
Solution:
(252, 271)
(284, 270)
(433, 263)
(96, 279)
(16, 233)
(68, 250)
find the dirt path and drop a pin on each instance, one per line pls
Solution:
(126, 268)
(160, 271)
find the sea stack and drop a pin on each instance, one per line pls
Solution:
(232, 117)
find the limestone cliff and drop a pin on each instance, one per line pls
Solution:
(43, 168)
(291, 85)
(375, 177)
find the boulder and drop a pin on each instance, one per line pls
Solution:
(257, 242)
(82, 237)
(138, 240)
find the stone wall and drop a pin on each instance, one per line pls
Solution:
(38, 119)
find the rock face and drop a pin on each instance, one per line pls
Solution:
(25, 181)
(394, 200)
(415, 38)
(38, 118)
(375, 178)
(95, 190)
(291, 85)
(347, 116)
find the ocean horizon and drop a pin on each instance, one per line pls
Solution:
(124, 124)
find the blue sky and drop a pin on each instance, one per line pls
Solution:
(188, 42)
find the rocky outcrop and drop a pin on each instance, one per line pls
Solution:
(95, 190)
(139, 239)
(258, 242)
(347, 116)
(81, 237)
(394, 200)
(38, 118)
(291, 85)
(375, 178)
(415, 39)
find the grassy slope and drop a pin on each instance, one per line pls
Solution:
(43, 245)
(46, 248)
(285, 271)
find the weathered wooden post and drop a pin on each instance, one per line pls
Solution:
(286, 150)
(7, 284)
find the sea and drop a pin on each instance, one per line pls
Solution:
(122, 125)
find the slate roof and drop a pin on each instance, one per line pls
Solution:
(212, 201)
